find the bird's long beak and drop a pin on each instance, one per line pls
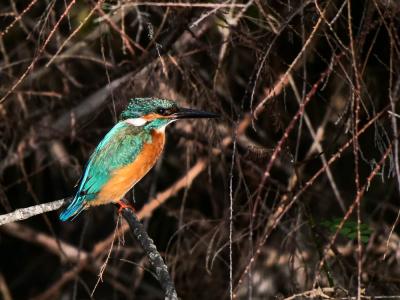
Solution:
(188, 113)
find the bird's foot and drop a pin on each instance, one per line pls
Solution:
(122, 205)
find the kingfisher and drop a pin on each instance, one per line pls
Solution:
(127, 152)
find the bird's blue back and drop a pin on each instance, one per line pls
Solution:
(119, 147)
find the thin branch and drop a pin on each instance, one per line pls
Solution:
(40, 52)
(286, 203)
(83, 22)
(260, 106)
(190, 5)
(28, 212)
(285, 136)
(31, 211)
(82, 257)
(356, 203)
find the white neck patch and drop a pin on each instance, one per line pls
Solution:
(136, 121)
(162, 129)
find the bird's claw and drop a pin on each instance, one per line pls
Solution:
(122, 205)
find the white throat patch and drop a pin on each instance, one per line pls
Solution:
(162, 128)
(136, 121)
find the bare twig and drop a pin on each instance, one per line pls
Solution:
(286, 203)
(41, 50)
(285, 136)
(75, 32)
(28, 212)
(284, 77)
(355, 204)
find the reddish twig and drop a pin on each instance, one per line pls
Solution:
(285, 136)
(41, 50)
(356, 203)
(285, 204)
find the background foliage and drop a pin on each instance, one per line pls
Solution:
(293, 193)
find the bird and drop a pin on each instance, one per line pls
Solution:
(127, 153)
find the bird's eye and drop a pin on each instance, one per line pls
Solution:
(161, 111)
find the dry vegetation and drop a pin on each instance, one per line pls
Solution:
(293, 193)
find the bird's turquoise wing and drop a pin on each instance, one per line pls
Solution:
(119, 147)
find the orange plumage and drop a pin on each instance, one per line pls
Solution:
(125, 178)
(127, 152)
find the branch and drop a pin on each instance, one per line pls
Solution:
(153, 255)
(82, 257)
(155, 259)
(72, 254)
(27, 212)
(136, 227)
(83, 111)
(147, 209)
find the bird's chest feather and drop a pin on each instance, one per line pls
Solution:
(124, 178)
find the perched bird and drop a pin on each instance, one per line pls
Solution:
(127, 152)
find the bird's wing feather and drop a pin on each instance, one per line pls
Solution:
(119, 147)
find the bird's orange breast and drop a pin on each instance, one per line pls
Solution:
(123, 179)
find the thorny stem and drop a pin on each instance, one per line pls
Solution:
(41, 50)
(285, 136)
(286, 204)
(356, 203)
(356, 147)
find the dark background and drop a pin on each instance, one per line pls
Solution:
(224, 59)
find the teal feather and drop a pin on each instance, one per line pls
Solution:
(138, 107)
(119, 147)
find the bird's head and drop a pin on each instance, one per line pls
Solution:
(157, 113)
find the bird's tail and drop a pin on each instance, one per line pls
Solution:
(73, 209)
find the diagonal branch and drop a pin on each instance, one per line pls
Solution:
(31, 211)
(28, 212)
(155, 259)
(82, 257)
